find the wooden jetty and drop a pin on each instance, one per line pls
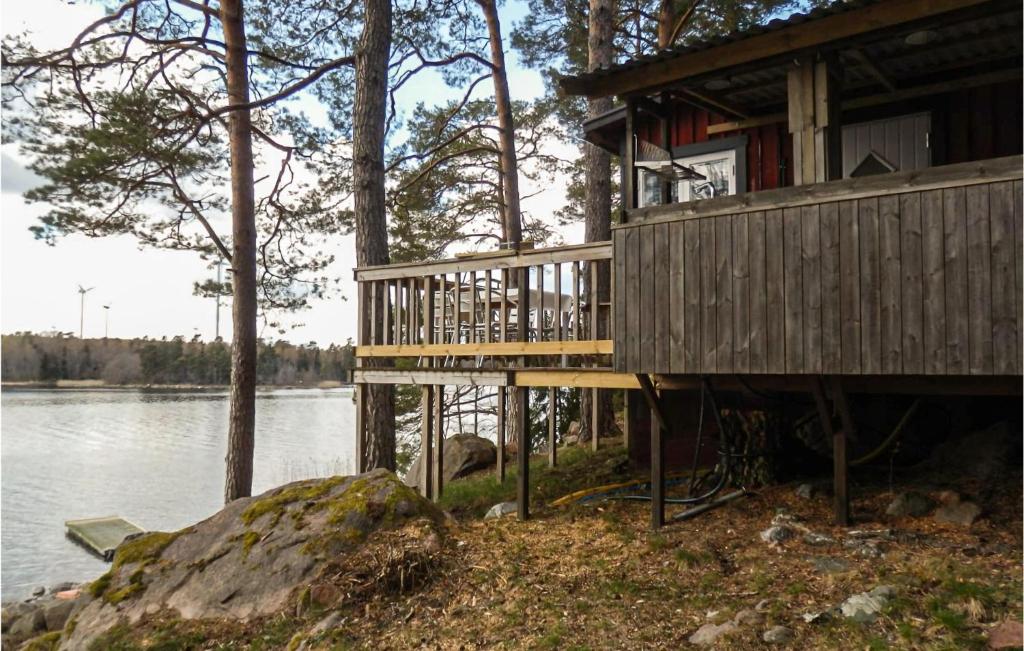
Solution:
(102, 535)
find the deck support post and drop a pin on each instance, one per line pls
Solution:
(658, 427)
(552, 427)
(522, 398)
(499, 436)
(360, 429)
(439, 448)
(839, 458)
(427, 441)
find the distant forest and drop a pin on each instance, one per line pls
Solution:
(29, 357)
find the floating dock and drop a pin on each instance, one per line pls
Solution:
(102, 535)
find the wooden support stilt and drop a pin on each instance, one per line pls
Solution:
(658, 427)
(360, 465)
(500, 436)
(839, 456)
(522, 397)
(427, 442)
(523, 452)
(439, 448)
(552, 427)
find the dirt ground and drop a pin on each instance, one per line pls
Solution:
(595, 577)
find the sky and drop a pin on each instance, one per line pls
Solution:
(149, 292)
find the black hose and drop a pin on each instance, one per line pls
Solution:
(723, 452)
(696, 449)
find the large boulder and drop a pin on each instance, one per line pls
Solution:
(984, 454)
(307, 544)
(463, 454)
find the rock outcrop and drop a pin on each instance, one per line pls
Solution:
(309, 543)
(463, 454)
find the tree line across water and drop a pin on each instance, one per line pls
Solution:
(30, 357)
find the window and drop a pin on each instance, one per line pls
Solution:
(651, 187)
(723, 162)
(719, 170)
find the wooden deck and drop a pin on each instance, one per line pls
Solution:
(913, 273)
(102, 535)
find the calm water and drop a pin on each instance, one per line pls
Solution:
(156, 459)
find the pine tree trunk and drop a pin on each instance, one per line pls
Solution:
(598, 202)
(369, 113)
(506, 125)
(242, 424)
(512, 224)
(666, 23)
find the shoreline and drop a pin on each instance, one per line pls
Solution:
(103, 386)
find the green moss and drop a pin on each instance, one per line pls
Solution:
(275, 504)
(100, 585)
(249, 538)
(117, 596)
(45, 642)
(146, 547)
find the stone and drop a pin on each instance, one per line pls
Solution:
(325, 595)
(814, 538)
(961, 513)
(805, 491)
(777, 635)
(1007, 634)
(501, 509)
(776, 534)
(763, 605)
(73, 593)
(57, 612)
(463, 454)
(258, 555)
(39, 591)
(983, 455)
(63, 587)
(865, 606)
(28, 624)
(11, 612)
(910, 503)
(814, 618)
(830, 565)
(328, 623)
(747, 617)
(708, 634)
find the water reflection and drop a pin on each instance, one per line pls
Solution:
(156, 458)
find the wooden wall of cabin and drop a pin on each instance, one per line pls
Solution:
(914, 283)
(967, 125)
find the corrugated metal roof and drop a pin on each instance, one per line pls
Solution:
(838, 7)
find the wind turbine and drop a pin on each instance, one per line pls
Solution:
(106, 320)
(81, 314)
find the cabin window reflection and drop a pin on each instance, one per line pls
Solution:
(650, 189)
(719, 171)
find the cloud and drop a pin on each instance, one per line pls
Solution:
(15, 178)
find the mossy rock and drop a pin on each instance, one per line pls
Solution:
(256, 556)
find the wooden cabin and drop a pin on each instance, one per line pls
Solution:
(828, 204)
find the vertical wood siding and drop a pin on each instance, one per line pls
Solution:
(922, 282)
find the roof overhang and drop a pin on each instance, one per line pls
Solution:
(824, 31)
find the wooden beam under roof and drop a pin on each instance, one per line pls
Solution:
(800, 36)
(872, 68)
(964, 83)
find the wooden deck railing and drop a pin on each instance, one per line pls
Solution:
(469, 307)
(911, 273)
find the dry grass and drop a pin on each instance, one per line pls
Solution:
(594, 577)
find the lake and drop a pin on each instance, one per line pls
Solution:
(155, 458)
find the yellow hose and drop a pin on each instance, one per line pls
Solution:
(587, 492)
